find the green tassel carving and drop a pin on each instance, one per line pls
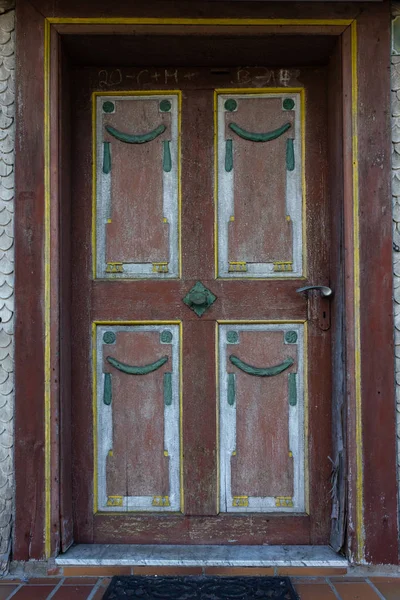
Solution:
(228, 156)
(292, 389)
(132, 370)
(231, 389)
(167, 162)
(107, 397)
(106, 158)
(289, 155)
(135, 139)
(167, 389)
(261, 371)
(259, 137)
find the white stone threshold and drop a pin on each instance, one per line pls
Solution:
(200, 556)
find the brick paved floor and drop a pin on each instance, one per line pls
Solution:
(308, 588)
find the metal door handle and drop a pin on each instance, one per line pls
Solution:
(324, 289)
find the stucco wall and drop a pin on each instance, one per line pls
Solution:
(7, 135)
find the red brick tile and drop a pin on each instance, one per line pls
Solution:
(33, 592)
(384, 579)
(80, 580)
(99, 594)
(241, 571)
(388, 588)
(73, 592)
(315, 592)
(347, 579)
(44, 581)
(308, 580)
(96, 571)
(356, 591)
(5, 591)
(311, 571)
(167, 570)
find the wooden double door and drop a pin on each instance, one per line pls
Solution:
(201, 389)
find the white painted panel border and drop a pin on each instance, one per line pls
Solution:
(227, 425)
(170, 195)
(171, 426)
(226, 200)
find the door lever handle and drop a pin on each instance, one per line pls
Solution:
(326, 291)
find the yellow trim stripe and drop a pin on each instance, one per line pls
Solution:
(217, 415)
(262, 322)
(96, 95)
(305, 403)
(94, 185)
(254, 91)
(303, 177)
(47, 299)
(181, 412)
(357, 326)
(174, 21)
(95, 324)
(94, 408)
(306, 420)
(215, 139)
(47, 350)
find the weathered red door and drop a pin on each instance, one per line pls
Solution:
(201, 377)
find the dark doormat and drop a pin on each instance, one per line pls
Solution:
(200, 588)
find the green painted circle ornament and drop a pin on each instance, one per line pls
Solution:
(232, 337)
(288, 104)
(109, 337)
(291, 337)
(166, 337)
(108, 107)
(165, 105)
(230, 105)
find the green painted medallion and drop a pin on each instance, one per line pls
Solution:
(109, 337)
(166, 337)
(288, 104)
(232, 337)
(165, 105)
(230, 105)
(199, 298)
(108, 107)
(291, 337)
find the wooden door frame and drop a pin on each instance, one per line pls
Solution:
(41, 333)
